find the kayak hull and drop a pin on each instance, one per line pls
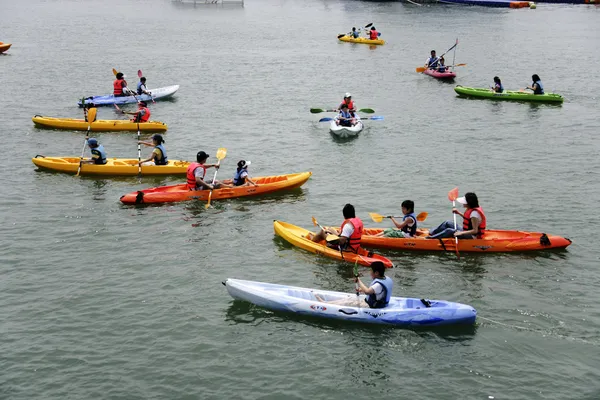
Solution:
(109, 99)
(177, 193)
(362, 40)
(4, 47)
(440, 75)
(401, 311)
(482, 93)
(494, 241)
(113, 166)
(346, 131)
(297, 236)
(98, 125)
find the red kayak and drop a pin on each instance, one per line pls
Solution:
(440, 75)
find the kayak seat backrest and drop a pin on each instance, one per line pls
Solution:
(301, 294)
(271, 179)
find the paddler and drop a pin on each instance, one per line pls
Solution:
(498, 88)
(373, 34)
(442, 65)
(120, 86)
(241, 177)
(407, 227)
(474, 221)
(141, 87)
(98, 153)
(196, 173)
(159, 154)
(348, 101)
(346, 117)
(432, 62)
(350, 232)
(142, 114)
(536, 86)
(355, 33)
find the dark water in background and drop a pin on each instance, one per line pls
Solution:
(98, 300)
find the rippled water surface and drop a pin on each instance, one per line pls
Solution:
(100, 300)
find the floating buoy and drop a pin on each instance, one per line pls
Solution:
(532, 5)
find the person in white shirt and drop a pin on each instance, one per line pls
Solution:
(350, 233)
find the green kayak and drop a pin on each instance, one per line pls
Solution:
(508, 95)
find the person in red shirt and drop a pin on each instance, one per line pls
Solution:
(373, 34)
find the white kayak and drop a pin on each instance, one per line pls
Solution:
(400, 311)
(109, 99)
(346, 131)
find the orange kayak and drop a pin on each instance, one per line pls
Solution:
(494, 241)
(176, 193)
(4, 47)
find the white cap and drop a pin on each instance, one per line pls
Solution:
(348, 95)
(248, 163)
(462, 200)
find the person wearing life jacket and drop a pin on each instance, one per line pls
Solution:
(536, 86)
(142, 114)
(120, 86)
(159, 154)
(498, 88)
(474, 221)
(373, 34)
(348, 101)
(407, 227)
(355, 33)
(196, 174)
(441, 65)
(241, 177)
(345, 117)
(432, 62)
(141, 87)
(350, 233)
(98, 153)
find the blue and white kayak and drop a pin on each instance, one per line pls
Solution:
(109, 99)
(401, 311)
(346, 131)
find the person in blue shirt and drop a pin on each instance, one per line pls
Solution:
(355, 33)
(141, 87)
(98, 153)
(498, 88)
(441, 64)
(536, 86)
(345, 117)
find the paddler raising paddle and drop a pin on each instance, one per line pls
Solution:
(474, 221)
(432, 62)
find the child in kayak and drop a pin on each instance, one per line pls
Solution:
(407, 227)
(98, 153)
(241, 177)
(441, 64)
(159, 154)
(345, 117)
(355, 33)
(536, 86)
(141, 87)
(498, 88)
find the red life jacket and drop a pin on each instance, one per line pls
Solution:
(373, 35)
(146, 116)
(468, 225)
(118, 87)
(350, 105)
(354, 239)
(191, 177)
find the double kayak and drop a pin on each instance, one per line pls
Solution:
(109, 99)
(346, 131)
(483, 93)
(4, 46)
(440, 75)
(176, 193)
(363, 40)
(494, 241)
(113, 166)
(100, 125)
(299, 237)
(401, 311)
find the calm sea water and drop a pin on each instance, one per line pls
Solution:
(99, 300)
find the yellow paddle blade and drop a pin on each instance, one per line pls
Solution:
(376, 217)
(115, 72)
(221, 153)
(91, 116)
(314, 221)
(421, 69)
(422, 216)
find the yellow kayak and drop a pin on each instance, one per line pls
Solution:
(113, 166)
(100, 125)
(361, 40)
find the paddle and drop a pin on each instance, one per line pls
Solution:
(221, 153)
(341, 35)
(139, 76)
(362, 110)
(91, 117)
(115, 72)
(422, 216)
(139, 154)
(356, 283)
(422, 69)
(331, 237)
(452, 196)
(375, 118)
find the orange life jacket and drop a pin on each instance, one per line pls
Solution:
(118, 87)
(468, 225)
(350, 105)
(191, 177)
(373, 35)
(145, 117)
(354, 239)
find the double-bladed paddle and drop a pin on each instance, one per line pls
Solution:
(422, 69)
(375, 118)
(362, 110)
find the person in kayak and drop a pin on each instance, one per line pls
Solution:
(350, 233)
(379, 292)
(536, 86)
(474, 221)
(98, 153)
(346, 117)
(432, 62)
(120, 86)
(241, 177)
(141, 87)
(142, 114)
(408, 227)
(348, 101)
(498, 88)
(159, 154)
(373, 34)
(196, 173)
(441, 64)
(355, 33)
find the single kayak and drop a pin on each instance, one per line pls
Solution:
(483, 93)
(100, 125)
(4, 46)
(494, 241)
(440, 75)
(176, 193)
(346, 131)
(113, 166)
(109, 99)
(363, 40)
(401, 311)
(299, 237)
